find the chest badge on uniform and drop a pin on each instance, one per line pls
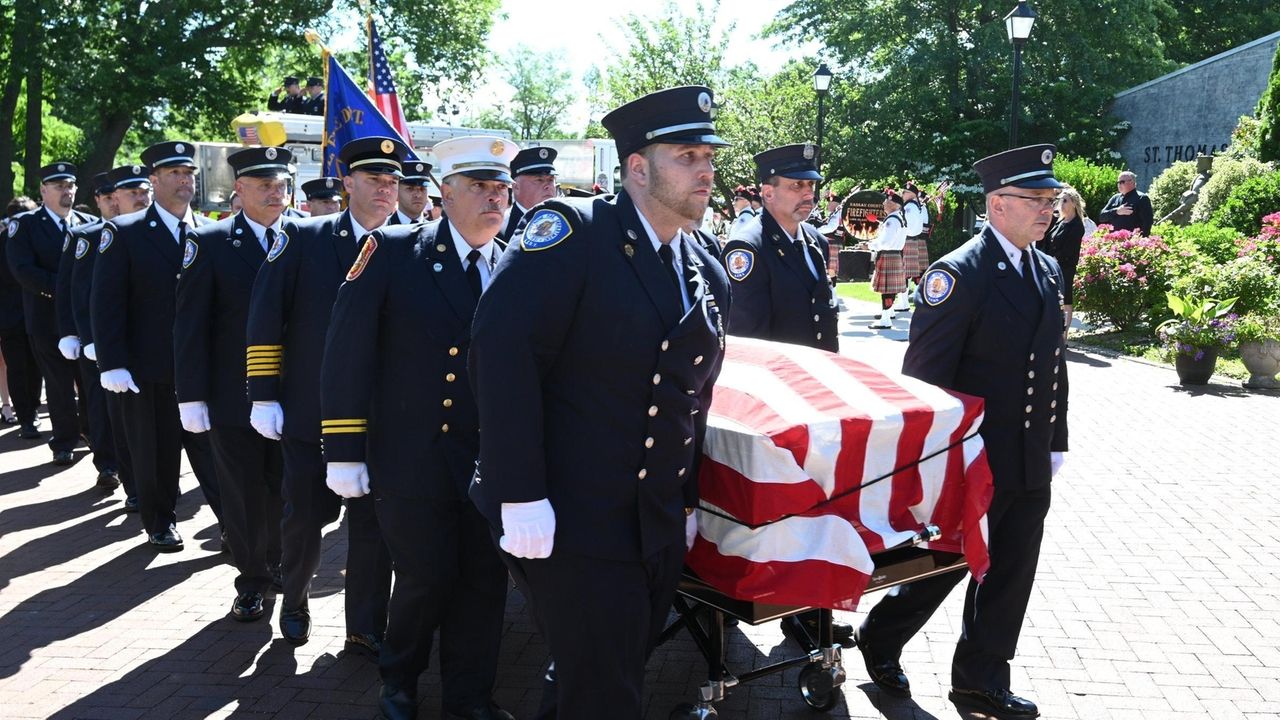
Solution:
(66, 242)
(13, 228)
(104, 242)
(189, 254)
(366, 252)
(82, 248)
(938, 285)
(739, 264)
(546, 229)
(282, 239)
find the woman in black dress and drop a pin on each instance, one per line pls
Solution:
(1062, 241)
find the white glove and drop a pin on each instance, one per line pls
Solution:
(1056, 461)
(348, 479)
(690, 529)
(118, 380)
(195, 416)
(268, 419)
(69, 346)
(528, 529)
(90, 352)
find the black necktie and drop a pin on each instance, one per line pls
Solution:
(269, 239)
(473, 271)
(668, 257)
(803, 249)
(1028, 277)
(182, 231)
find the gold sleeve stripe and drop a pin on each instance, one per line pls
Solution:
(263, 373)
(342, 430)
(263, 361)
(264, 355)
(253, 348)
(344, 421)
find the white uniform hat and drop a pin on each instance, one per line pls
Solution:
(481, 157)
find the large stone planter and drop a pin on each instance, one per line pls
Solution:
(1262, 360)
(1193, 370)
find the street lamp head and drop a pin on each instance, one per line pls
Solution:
(822, 79)
(1019, 21)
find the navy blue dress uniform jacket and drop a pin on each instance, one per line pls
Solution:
(593, 386)
(775, 296)
(395, 371)
(133, 294)
(220, 263)
(64, 297)
(34, 252)
(513, 223)
(11, 317)
(289, 315)
(84, 252)
(989, 337)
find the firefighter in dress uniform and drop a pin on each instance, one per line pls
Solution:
(593, 357)
(534, 174)
(988, 322)
(413, 206)
(324, 196)
(289, 311)
(219, 265)
(131, 309)
(400, 425)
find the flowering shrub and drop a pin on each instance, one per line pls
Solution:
(1266, 244)
(1121, 277)
(1198, 326)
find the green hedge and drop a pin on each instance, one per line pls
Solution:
(1227, 175)
(1166, 190)
(1216, 243)
(1095, 183)
(1249, 202)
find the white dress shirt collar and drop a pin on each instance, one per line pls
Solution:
(171, 221)
(260, 231)
(1011, 250)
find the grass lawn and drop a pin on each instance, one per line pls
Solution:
(1138, 343)
(857, 291)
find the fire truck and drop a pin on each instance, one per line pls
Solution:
(584, 163)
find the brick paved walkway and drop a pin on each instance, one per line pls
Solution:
(1158, 594)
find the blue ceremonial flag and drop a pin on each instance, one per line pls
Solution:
(349, 115)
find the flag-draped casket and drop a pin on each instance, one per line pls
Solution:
(815, 462)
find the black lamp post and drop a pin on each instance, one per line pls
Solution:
(821, 84)
(1018, 25)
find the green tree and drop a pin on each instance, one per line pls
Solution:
(1193, 31)
(924, 88)
(1269, 116)
(541, 93)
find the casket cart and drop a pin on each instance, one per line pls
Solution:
(823, 477)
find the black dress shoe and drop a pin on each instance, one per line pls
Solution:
(363, 644)
(108, 480)
(167, 540)
(396, 704)
(484, 712)
(247, 607)
(885, 672)
(29, 432)
(999, 703)
(131, 504)
(63, 457)
(295, 625)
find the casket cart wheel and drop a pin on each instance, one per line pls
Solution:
(818, 686)
(689, 711)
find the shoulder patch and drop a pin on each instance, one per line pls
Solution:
(739, 263)
(547, 228)
(82, 248)
(937, 286)
(282, 239)
(189, 253)
(366, 252)
(13, 228)
(104, 242)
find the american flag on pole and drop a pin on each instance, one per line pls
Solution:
(382, 87)
(815, 462)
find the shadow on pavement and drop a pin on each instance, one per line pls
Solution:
(1212, 389)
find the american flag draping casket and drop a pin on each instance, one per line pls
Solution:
(814, 462)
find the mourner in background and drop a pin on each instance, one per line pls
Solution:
(34, 251)
(400, 426)
(593, 428)
(534, 173)
(1128, 209)
(1063, 243)
(890, 278)
(219, 264)
(988, 322)
(289, 314)
(132, 308)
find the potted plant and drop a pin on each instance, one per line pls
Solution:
(1197, 332)
(1259, 338)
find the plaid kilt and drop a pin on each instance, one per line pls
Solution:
(921, 245)
(889, 278)
(909, 261)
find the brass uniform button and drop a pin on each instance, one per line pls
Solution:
(444, 427)
(653, 411)
(642, 473)
(450, 377)
(448, 403)
(453, 352)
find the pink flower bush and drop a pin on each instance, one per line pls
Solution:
(1122, 275)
